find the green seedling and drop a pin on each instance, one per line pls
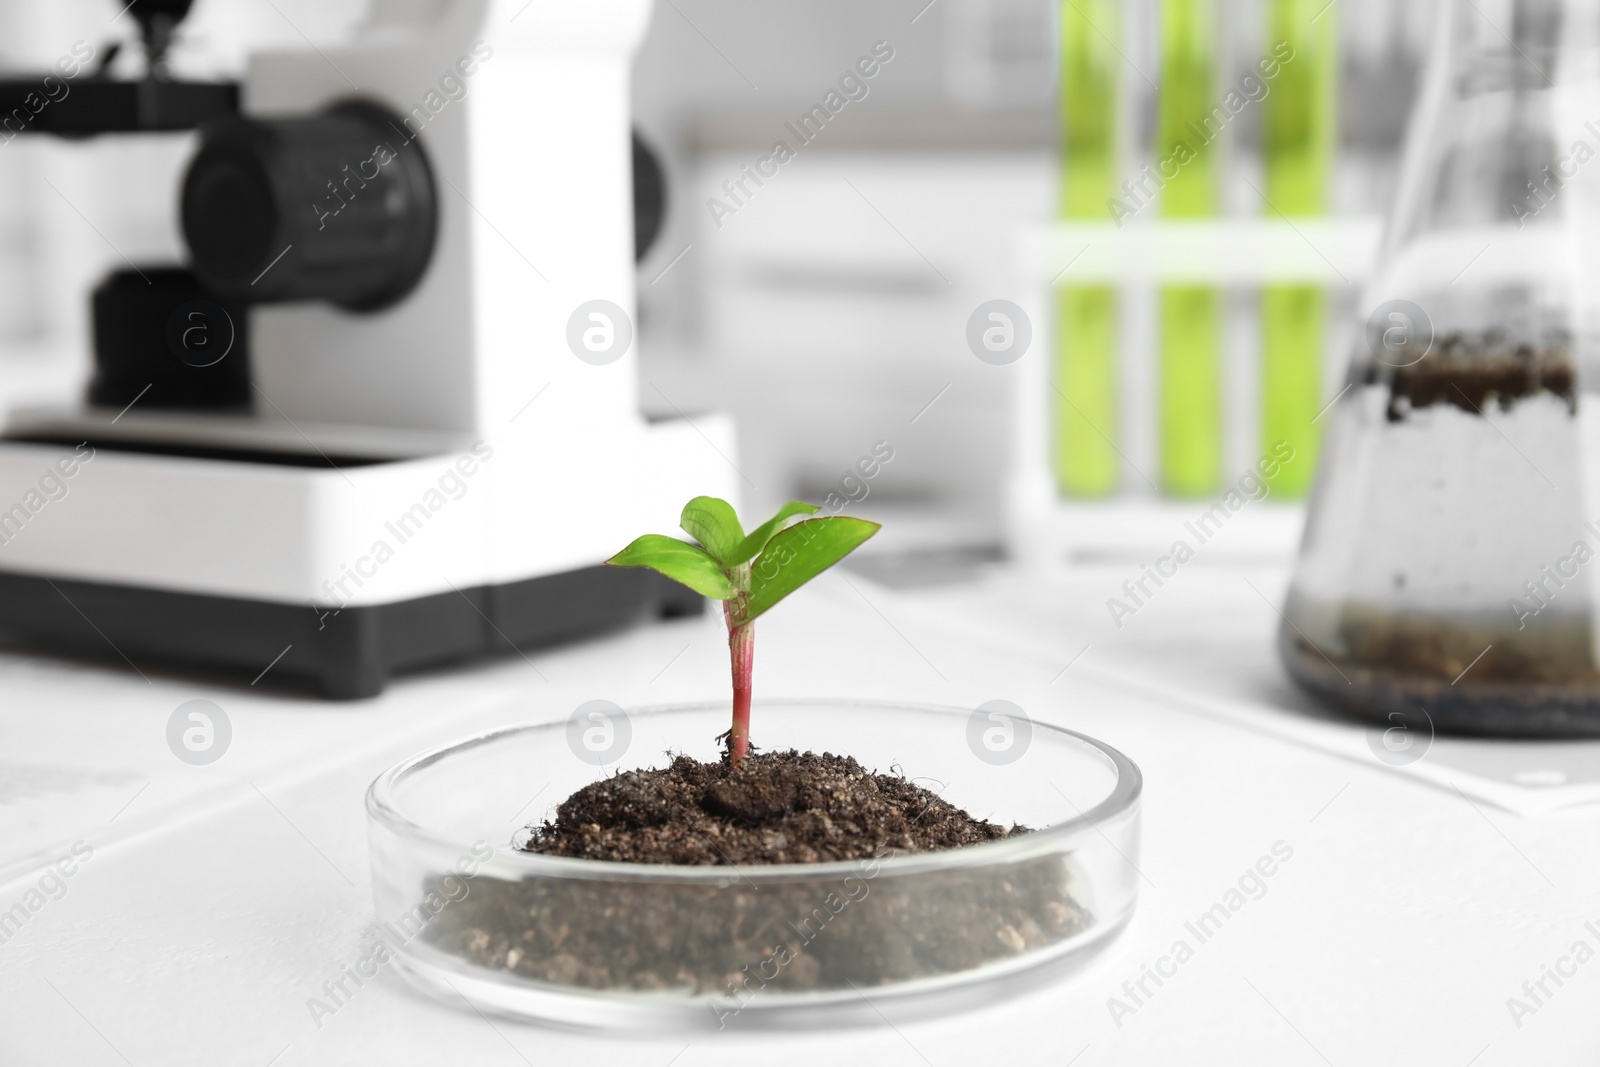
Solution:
(749, 573)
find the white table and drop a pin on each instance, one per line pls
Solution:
(218, 899)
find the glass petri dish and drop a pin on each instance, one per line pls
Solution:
(466, 915)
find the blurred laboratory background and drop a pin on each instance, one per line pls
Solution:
(826, 305)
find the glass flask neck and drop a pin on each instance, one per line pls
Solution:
(1508, 116)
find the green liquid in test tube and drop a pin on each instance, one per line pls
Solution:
(1086, 316)
(1297, 150)
(1190, 363)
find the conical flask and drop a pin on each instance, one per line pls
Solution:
(1449, 568)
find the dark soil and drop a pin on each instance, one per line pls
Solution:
(1552, 653)
(1471, 373)
(733, 938)
(780, 807)
(1471, 675)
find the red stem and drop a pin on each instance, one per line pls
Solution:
(742, 651)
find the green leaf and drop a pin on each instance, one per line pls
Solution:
(712, 522)
(795, 556)
(680, 561)
(758, 540)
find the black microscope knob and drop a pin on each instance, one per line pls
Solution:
(341, 207)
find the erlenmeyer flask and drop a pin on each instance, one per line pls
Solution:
(1451, 552)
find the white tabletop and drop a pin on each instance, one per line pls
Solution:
(1417, 901)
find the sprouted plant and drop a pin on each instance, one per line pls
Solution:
(749, 573)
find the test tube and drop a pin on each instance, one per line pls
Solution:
(1086, 462)
(1188, 134)
(1297, 142)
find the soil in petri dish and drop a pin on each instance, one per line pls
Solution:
(735, 937)
(780, 807)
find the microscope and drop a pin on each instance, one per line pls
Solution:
(386, 416)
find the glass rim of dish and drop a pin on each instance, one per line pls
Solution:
(1121, 800)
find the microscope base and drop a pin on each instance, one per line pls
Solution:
(344, 654)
